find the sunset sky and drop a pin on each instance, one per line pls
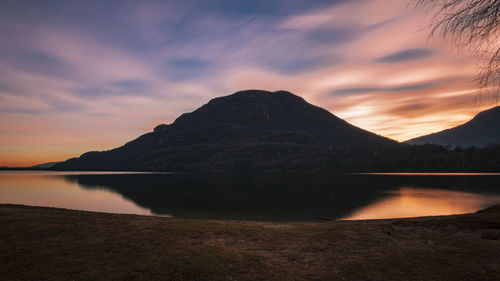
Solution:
(91, 75)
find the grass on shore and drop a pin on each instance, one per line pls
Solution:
(39, 243)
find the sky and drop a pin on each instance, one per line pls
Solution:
(89, 75)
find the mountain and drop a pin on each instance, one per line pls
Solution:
(250, 129)
(44, 165)
(482, 130)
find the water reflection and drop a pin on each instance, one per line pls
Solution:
(414, 202)
(285, 197)
(276, 197)
(52, 190)
(299, 197)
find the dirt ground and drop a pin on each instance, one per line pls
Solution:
(55, 244)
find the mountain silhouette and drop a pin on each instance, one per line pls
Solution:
(44, 165)
(251, 129)
(481, 131)
(268, 196)
(250, 196)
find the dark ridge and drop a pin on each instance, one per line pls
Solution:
(481, 131)
(250, 129)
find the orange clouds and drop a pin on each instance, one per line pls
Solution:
(65, 90)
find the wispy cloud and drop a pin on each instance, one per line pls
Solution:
(407, 55)
(398, 89)
(103, 72)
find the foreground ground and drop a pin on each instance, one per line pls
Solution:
(56, 244)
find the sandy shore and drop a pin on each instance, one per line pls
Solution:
(55, 244)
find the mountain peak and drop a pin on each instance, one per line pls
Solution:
(253, 128)
(480, 131)
(257, 96)
(246, 106)
(490, 113)
(262, 110)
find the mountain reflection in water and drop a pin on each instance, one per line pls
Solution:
(261, 196)
(299, 197)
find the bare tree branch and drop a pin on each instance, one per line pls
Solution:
(472, 24)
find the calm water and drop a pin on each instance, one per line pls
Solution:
(277, 197)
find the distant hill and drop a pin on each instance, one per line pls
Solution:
(250, 129)
(482, 130)
(44, 165)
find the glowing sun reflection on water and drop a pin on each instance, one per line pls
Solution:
(416, 202)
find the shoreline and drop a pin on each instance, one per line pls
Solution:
(422, 172)
(245, 221)
(61, 244)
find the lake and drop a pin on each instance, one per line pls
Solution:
(262, 197)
